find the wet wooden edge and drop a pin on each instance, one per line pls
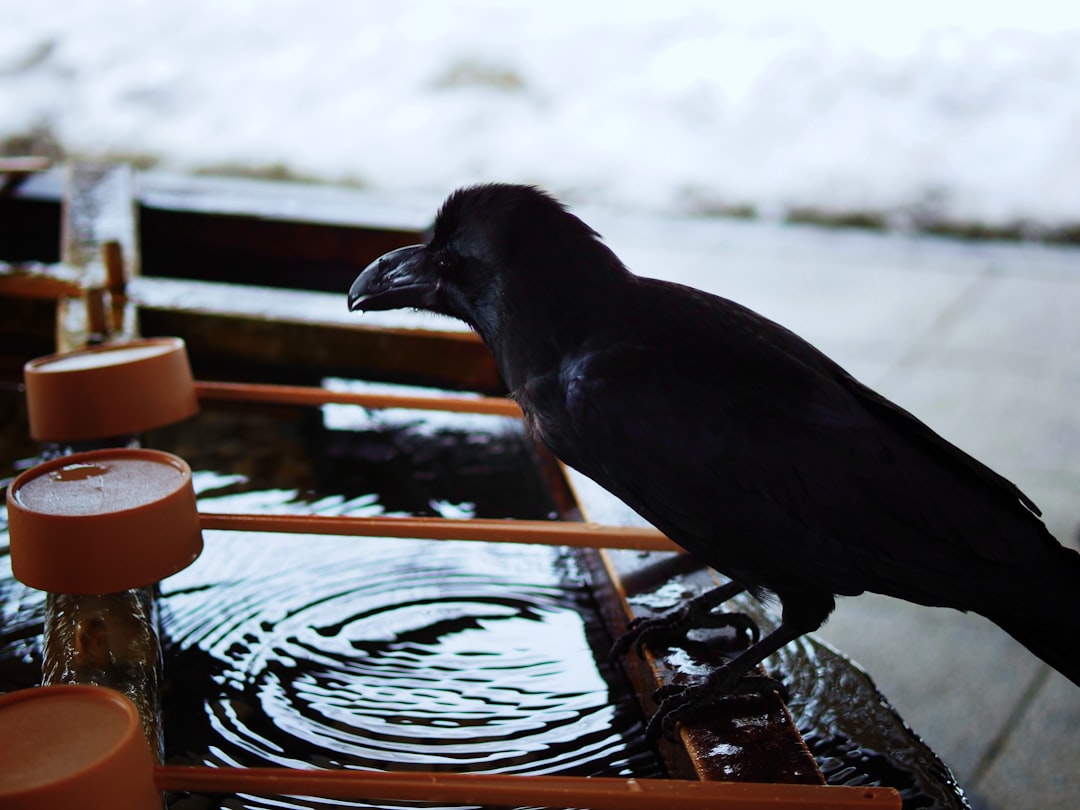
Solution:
(744, 738)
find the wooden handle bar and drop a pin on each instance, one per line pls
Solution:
(543, 532)
(598, 793)
(301, 395)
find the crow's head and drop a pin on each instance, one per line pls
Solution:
(497, 255)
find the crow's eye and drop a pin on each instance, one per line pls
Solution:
(446, 262)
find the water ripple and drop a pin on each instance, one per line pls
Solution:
(389, 654)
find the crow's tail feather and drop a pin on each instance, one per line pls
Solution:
(1055, 638)
(1057, 645)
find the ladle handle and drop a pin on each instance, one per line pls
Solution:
(598, 793)
(543, 532)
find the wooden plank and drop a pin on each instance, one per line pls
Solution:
(40, 282)
(271, 234)
(15, 170)
(254, 250)
(742, 738)
(233, 347)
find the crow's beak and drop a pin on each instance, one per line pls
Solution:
(398, 279)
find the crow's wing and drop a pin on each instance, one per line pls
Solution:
(781, 471)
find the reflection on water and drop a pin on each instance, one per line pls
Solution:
(387, 654)
(22, 612)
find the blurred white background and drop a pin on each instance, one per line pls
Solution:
(963, 112)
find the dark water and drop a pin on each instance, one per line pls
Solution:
(372, 654)
(301, 651)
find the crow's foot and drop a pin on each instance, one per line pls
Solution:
(671, 628)
(679, 702)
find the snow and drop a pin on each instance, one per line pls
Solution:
(962, 111)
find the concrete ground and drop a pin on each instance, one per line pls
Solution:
(982, 342)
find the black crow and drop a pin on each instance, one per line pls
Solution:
(733, 436)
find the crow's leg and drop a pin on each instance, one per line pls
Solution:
(670, 628)
(803, 613)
